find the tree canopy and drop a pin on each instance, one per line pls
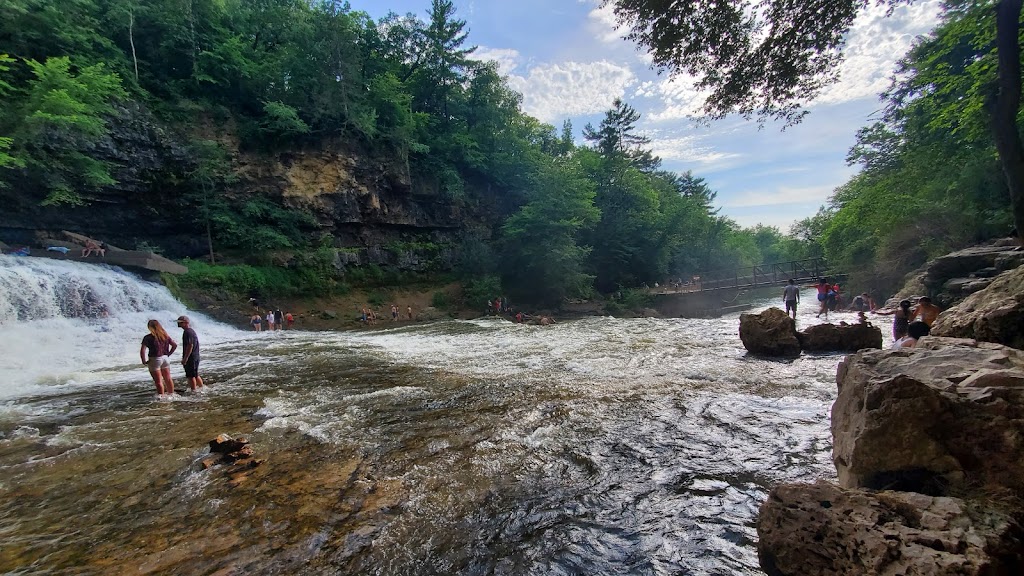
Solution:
(771, 58)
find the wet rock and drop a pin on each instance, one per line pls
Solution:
(994, 314)
(224, 444)
(329, 315)
(840, 338)
(821, 529)
(772, 333)
(947, 415)
(235, 454)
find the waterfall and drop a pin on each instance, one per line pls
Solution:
(68, 324)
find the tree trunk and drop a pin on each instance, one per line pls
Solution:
(1008, 144)
(209, 240)
(131, 40)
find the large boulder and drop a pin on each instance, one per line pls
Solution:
(950, 278)
(821, 529)
(945, 416)
(772, 333)
(840, 338)
(994, 314)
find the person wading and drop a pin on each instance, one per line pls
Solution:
(190, 353)
(159, 346)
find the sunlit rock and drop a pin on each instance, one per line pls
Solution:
(822, 529)
(772, 333)
(947, 415)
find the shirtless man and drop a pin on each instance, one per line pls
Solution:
(925, 311)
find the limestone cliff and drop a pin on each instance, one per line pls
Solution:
(365, 199)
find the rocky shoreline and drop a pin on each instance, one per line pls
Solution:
(928, 443)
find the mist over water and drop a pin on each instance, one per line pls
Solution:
(593, 446)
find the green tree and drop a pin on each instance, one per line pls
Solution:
(56, 129)
(769, 60)
(543, 258)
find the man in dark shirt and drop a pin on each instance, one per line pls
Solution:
(190, 353)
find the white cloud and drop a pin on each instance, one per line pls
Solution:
(873, 46)
(679, 96)
(601, 22)
(688, 149)
(779, 196)
(507, 58)
(554, 91)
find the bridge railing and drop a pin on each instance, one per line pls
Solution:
(802, 271)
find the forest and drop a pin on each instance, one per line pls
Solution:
(545, 217)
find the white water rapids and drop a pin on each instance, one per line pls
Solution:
(594, 446)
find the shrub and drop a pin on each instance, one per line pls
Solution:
(377, 299)
(441, 300)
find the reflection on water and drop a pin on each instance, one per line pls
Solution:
(594, 446)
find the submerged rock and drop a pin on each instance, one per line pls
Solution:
(821, 529)
(993, 314)
(840, 338)
(772, 333)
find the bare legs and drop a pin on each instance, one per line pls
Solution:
(156, 380)
(196, 382)
(165, 373)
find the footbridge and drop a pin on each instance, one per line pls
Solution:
(803, 272)
(716, 292)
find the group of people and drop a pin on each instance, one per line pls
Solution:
(158, 346)
(274, 320)
(910, 324)
(829, 297)
(368, 315)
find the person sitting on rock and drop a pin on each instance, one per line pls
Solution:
(90, 247)
(915, 331)
(925, 311)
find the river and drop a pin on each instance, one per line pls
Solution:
(594, 446)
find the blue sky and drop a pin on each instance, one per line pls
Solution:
(569, 62)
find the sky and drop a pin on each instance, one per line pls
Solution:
(569, 61)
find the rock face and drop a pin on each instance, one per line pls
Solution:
(945, 418)
(948, 414)
(365, 199)
(821, 529)
(950, 278)
(772, 333)
(843, 337)
(993, 314)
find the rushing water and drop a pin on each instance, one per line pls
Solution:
(596, 446)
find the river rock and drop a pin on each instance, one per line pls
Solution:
(840, 338)
(976, 262)
(772, 333)
(821, 529)
(947, 415)
(224, 444)
(994, 314)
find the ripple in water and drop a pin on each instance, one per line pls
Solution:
(594, 446)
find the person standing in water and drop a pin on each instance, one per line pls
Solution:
(190, 353)
(901, 319)
(159, 346)
(791, 296)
